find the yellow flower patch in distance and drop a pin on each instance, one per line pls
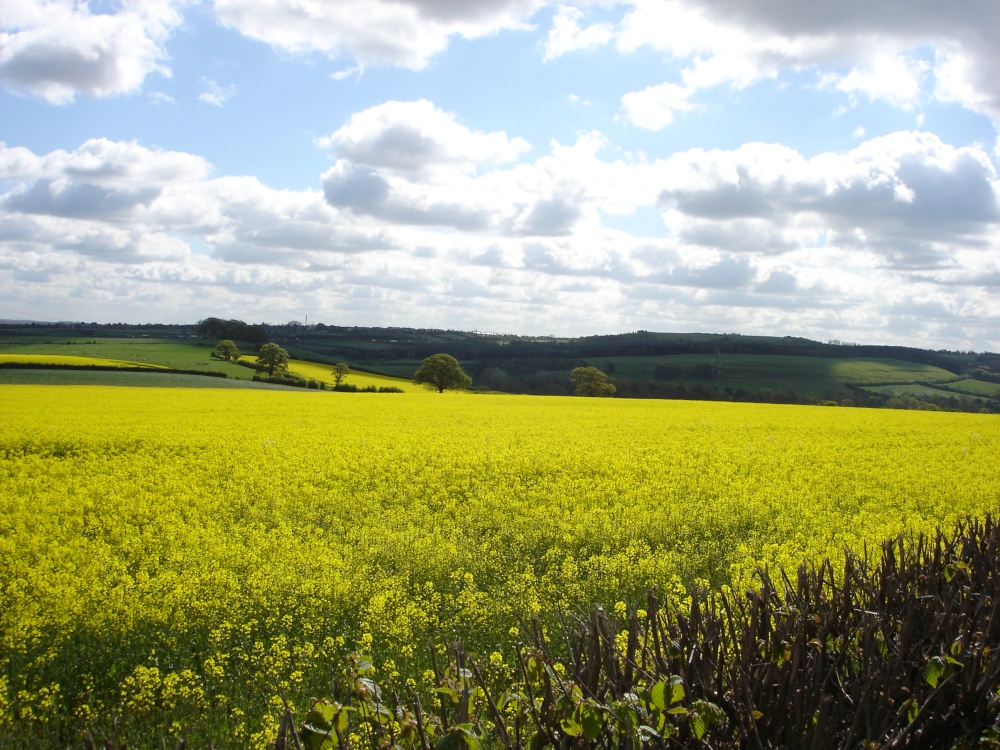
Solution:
(324, 373)
(191, 556)
(72, 360)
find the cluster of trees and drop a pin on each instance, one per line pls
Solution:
(234, 330)
(227, 350)
(443, 372)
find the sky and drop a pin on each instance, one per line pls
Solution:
(824, 170)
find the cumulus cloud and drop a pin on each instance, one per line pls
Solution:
(653, 108)
(907, 196)
(56, 49)
(394, 32)
(567, 35)
(124, 202)
(416, 137)
(760, 228)
(876, 50)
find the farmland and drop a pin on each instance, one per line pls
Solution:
(642, 364)
(185, 558)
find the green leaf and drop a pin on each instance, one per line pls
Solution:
(941, 668)
(366, 665)
(676, 689)
(535, 667)
(471, 741)
(661, 721)
(571, 726)
(317, 731)
(453, 694)
(658, 695)
(592, 720)
(704, 716)
(698, 726)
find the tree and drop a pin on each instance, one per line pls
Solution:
(234, 330)
(442, 371)
(227, 350)
(340, 371)
(272, 358)
(590, 381)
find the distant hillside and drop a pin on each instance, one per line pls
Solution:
(641, 364)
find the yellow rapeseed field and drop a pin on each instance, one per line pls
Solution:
(71, 360)
(187, 559)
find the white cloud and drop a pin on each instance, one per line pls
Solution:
(907, 200)
(356, 72)
(653, 108)
(566, 35)
(897, 79)
(415, 138)
(833, 243)
(885, 45)
(373, 32)
(56, 49)
(216, 94)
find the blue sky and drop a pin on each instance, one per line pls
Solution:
(506, 165)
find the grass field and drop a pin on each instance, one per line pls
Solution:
(185, 559)
(976, 388)
(911, 388)
(167, 353)
(809, 376)
(163, 352)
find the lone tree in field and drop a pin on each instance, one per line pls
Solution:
(227, 350)
(442, 371)
(272, 358)
(590, 381)
(340, 371)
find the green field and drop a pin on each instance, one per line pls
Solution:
(976, 388)
(163, 352)
(913, 389)
(808, 376)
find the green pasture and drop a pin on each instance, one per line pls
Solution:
(808, 376)
(184, 355)
(912, 389)
(976, 388)
(965, 387)
(811, 376)
(181, 355)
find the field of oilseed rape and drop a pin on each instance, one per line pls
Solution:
(179, 562)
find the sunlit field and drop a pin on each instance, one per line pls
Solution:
(186, 559)
(69, 360)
